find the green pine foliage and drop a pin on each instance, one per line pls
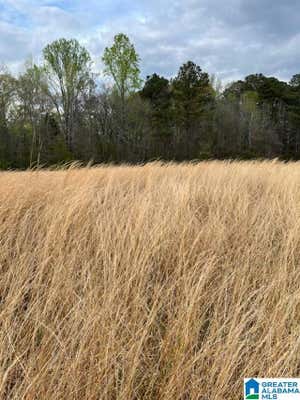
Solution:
(60, 111)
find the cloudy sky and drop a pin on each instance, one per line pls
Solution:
(230, 38)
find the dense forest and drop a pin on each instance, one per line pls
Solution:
(60, 111)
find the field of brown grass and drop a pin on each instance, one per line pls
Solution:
(148, 282)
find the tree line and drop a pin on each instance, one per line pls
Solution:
(58, 111)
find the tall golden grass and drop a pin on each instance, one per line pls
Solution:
(148, 282)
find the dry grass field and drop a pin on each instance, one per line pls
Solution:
(148, 282)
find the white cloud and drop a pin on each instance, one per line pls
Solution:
(231, 39)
